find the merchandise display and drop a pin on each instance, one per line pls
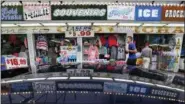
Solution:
(14, 52)
(105, 50)
(54, 49)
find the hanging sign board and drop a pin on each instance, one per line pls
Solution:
(80, 31)
(115, 87)
(121, 12)
(79, 86)
(16, 62)
(173, 13)
(37, 12)
(44, 86)
(148, 13)
(21, 87)
(79, 12)
(11, 13)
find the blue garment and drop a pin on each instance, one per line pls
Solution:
(132, 47)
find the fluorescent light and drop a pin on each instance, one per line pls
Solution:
(79, 77)
(11, 81)
(53, 24)
(100, 78)
(129, 24)
(182, 90)
(164, 86)
(79, 24)
(55, 78)
(144, 83)
(35, 79)
(3, 82)
(153, 24)
(175, 25)
(8, 25)
(124, 80)
(33, 24)
(104, 24)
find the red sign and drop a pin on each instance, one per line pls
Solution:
(173, 13)
(16, 62)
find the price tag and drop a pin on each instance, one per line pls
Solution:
(79, 34)
(16, 62)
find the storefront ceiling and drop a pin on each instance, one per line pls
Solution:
(116, 1)
(107, 22)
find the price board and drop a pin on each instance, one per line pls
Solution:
(80, 31)
(16, 62)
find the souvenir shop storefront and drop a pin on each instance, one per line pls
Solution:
(91, 37)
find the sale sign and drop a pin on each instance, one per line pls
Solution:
(16, 62)
(80, 31)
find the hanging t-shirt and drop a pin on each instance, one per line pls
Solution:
(112, 40)
(42, 43)
(92, 53)
(103, 50)
(113, 52)
(121, 53)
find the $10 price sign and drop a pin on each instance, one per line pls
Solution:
(16, 62)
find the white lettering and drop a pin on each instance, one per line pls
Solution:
(79, 12)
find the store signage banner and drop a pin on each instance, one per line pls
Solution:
(138, 89)
(115, 87)
(79, 31)
(164, 93)
(79, 12)
(121, 12)
(79, 86)
(21, 87)
(80, 72)
(173, 13)
(37, 12)
(148, 13)
(16, 62)
(44, 86)
(11, 13)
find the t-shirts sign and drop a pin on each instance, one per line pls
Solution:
(121, 12)
(79, 12)
(173, 13)
(37, 12)
(148, 13)
(11, 13)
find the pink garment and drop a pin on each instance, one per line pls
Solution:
(26, 42)
(92, 53)
(16, 54)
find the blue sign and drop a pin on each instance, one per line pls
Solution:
(164, 93)
(148, 13)
(21, 87)
(115, 87)
(79, 86)
(138, 89)
(11, 13)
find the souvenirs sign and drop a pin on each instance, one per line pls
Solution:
(79, 12)
(37, 12)
(11, 13)
(173, 13)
